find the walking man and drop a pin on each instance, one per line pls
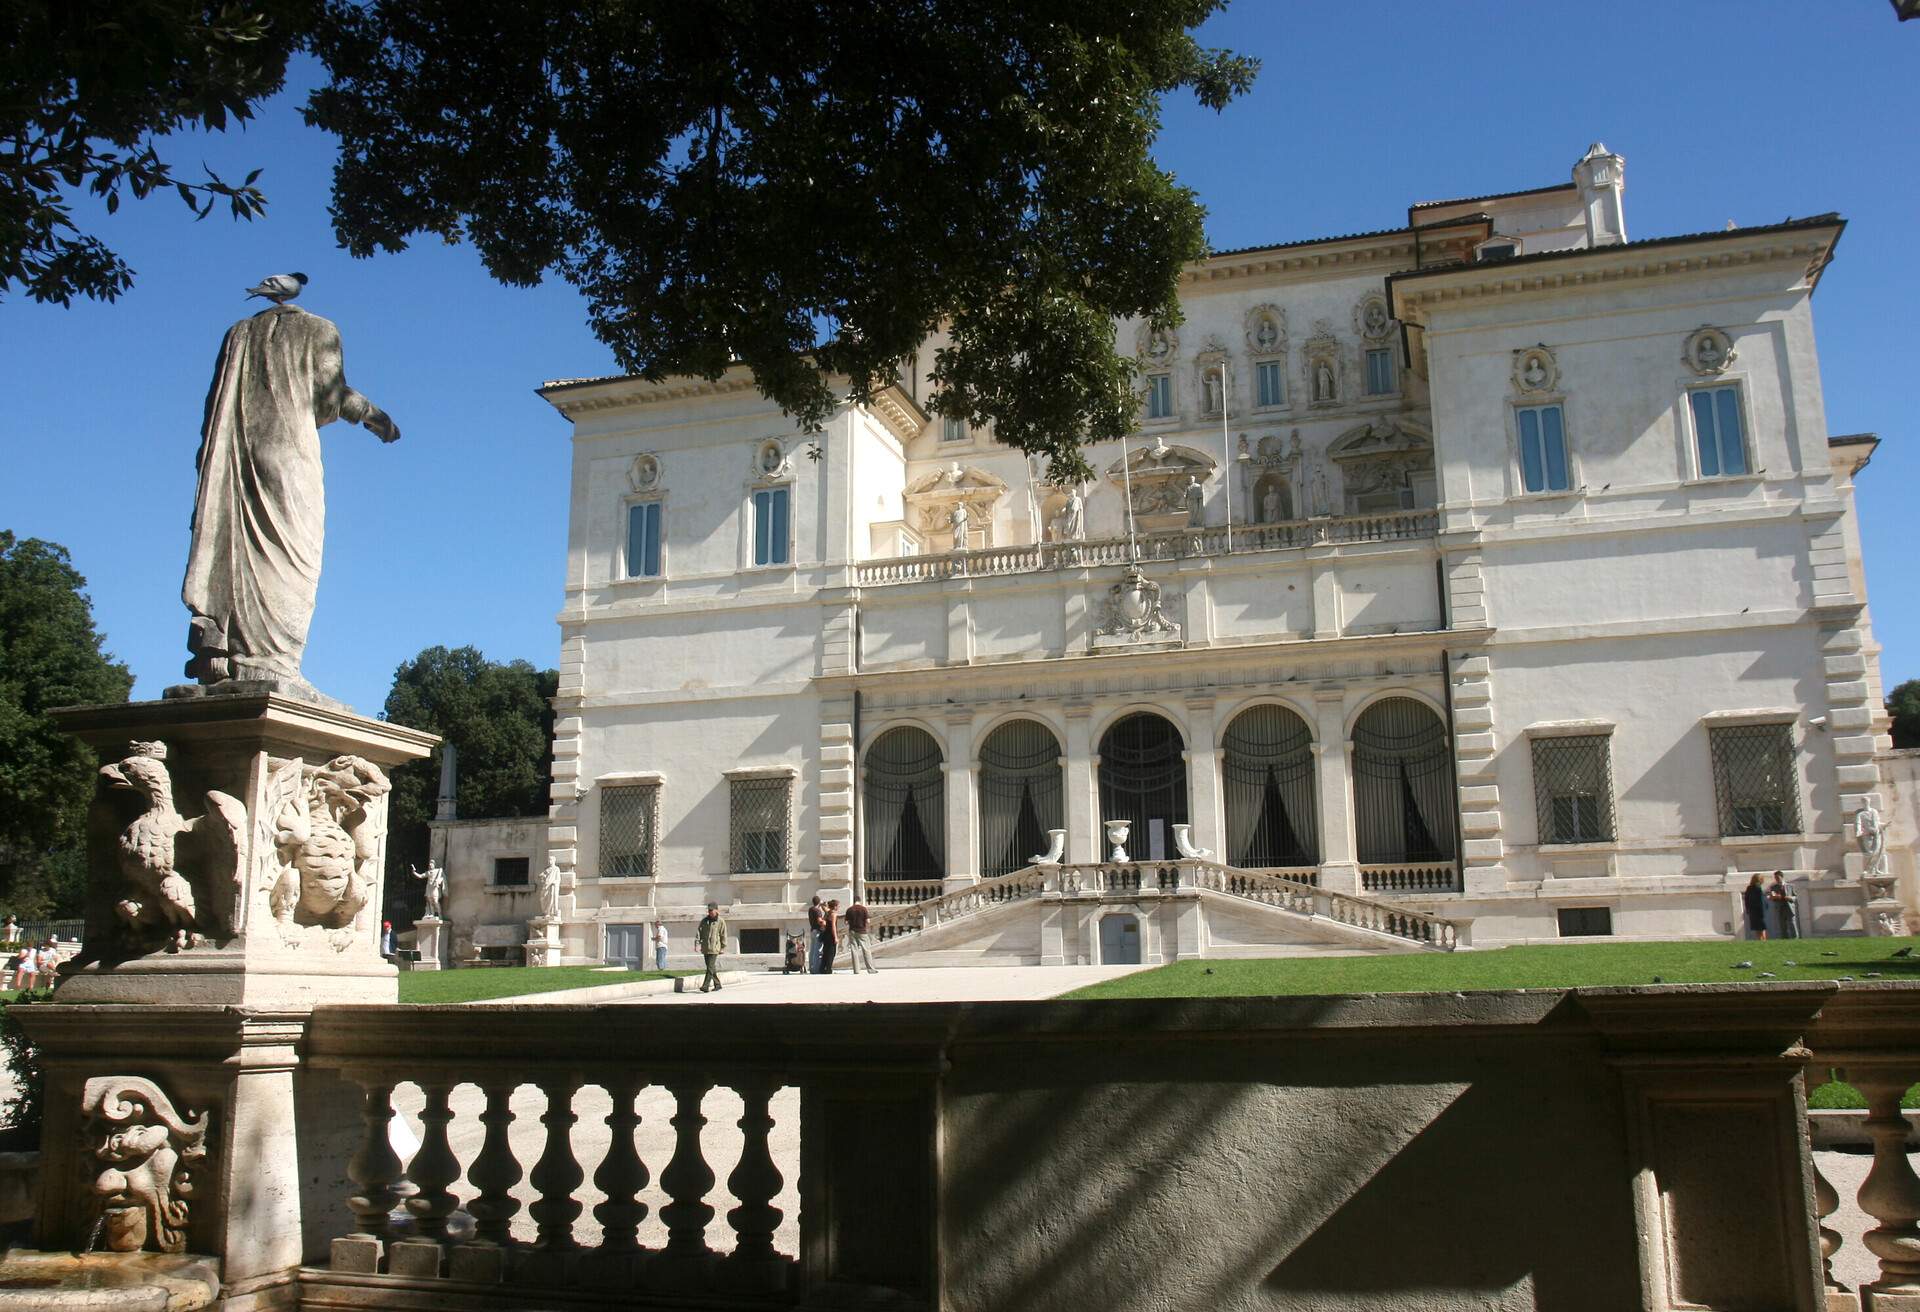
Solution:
(815, 934)
(857, 945)
(712, 936)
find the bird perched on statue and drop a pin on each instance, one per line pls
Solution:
(160, 850)
(280, 288)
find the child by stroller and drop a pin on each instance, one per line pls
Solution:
(796, 955)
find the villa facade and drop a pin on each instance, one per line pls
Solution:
(1493, 566)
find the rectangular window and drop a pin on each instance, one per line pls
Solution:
(1270, 384)
(760, 815)
(1543, 448)
(511, 871)
(1718, 433)
(629, 816)
(770, 535)
(643, 540)
(953, 430)
(1159, 396)
(1586, 922)
(1753, 779)
(1573, 788)
(1379, 373)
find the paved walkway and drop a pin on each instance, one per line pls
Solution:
(897, 984)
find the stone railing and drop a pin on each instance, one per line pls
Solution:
(1395, 526)
(1290, 890)
(901, 892)
(897, 1156)
(1411, 877)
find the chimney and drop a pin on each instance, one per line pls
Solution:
(1601, 176)
(445, 808)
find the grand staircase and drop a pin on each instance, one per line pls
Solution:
(1362, 921)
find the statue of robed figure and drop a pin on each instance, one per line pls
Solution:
(259, 516)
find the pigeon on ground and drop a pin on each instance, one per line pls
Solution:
(1741, 965)
(1658, 980)
(1903, 952)
(1872, 974)
(1829, 954)
(1767, 974)
(1789, 963)
(1843, 979)
(280, 288)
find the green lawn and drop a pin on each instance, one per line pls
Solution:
(1547, 967)
(474, 985)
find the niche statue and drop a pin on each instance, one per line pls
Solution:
(259, 514)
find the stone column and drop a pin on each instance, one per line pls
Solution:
(1205, 798)
(963, 826)
(1333, 789)
(1082, 809)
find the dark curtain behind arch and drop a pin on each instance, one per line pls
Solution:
(1267, 768)
(1143, 775)
(906, 806)
(1020, 795)
(1402, 784)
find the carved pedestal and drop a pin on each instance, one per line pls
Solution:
(543, 941)
(427, 940)
(235, 852)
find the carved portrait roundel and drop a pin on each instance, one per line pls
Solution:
(1535, 370)
(1708, 351)
(644, 473)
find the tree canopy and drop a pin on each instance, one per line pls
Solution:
(808, 190)
(499, 719)
(50, 655)
(1903, 704)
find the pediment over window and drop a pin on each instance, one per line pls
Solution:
(1382, 437)
(1159, 476)
(931, 500)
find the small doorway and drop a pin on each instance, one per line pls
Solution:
(627, 946)
(1119, 940)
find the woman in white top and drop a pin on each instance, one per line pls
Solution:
(659, 945)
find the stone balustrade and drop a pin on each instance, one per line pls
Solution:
(991, 1154)
(1144, 879)
(901, 892)
(1411, 877)
(1214, 540)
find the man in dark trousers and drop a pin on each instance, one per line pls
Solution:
(712, 936)
(829, 935)
(816, 929)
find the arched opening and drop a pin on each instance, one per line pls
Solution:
(1020, 795)
(1143, 780)
(1402, 784)
(906, 806)
(1267, 768)
(1119, 940)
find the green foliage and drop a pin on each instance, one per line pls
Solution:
(808, 189)
(1903, 704)
(1549, 966)
(499, 718)
(50, 655)
(20, 1113)
(427, 987)
(92, 85)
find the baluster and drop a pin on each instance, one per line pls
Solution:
(754, 1265)
(1826, 1201)
(376, 1169)
(556, 1175)
(434, 1166)
(1891, 1192)
(686, 1261)
(495, 1171)
(621, 1174)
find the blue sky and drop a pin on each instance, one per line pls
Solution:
(456, 535)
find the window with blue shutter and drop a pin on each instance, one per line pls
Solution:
(1270, 383)
(770, 531)
(1543, 449)
(1718, 433)
(643, 540)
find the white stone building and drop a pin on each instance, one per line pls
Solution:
(1492, 565)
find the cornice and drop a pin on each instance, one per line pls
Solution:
(575, 397)
(1393, 253)
(894, 408)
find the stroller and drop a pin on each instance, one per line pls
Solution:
(796, 957)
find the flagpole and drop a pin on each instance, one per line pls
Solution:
(1126, 477)
(1226, 453)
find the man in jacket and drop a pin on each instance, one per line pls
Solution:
(712, 937)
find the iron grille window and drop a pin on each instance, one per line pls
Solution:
(1020, 797)
(1573, 788)
(1753, 779)
(628, 822)
(511, 871)
(760, 817)
(1586, 922)
(1267, 768)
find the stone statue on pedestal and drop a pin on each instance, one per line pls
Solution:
(1869, 831)
(436, 881)
(548, 885)
(259, 514)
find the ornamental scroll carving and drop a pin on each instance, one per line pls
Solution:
(319, 832)
(149, 1157)
(1135, 612)
(174, 880)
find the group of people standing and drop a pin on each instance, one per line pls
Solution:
(1769, 908)
(827, 929)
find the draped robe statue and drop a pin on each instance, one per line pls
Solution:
(259, 514)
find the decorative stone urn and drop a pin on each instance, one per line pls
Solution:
(1117, 831)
